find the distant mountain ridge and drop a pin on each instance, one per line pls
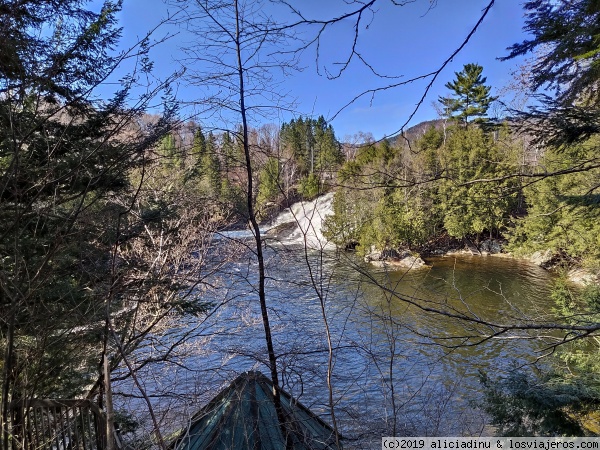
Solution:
(415, 132)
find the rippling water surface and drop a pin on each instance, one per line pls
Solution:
(396, 367)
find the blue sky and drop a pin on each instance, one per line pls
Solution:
(405, 41)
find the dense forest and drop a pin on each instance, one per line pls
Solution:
(110, 210)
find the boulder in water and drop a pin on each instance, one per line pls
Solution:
(583, 277)
(302, 223)
(490, 246)
(281, 231)
(393, 258)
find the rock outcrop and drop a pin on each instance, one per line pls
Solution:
(490, 247)
(582, 277)
(542, 258)
(393, 258)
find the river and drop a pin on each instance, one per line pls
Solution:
(397, 368)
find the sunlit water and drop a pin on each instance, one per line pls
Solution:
(396, 367)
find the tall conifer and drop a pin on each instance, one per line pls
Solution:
(470, 97)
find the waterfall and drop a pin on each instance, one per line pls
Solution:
(302, 223)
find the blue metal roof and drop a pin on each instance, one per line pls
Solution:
(243, 416)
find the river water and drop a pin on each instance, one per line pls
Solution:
(399, 367)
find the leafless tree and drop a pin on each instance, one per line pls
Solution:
(104, 249)
(233, 50)
(360, 14)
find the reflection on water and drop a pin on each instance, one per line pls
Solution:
(492, 289)
(390, 372)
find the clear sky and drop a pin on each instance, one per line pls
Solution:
(405, 41)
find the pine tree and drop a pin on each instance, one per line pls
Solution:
(270, 182)
(568, 31)
(314, 149)
(327, 148)
(199, 145)
(566, 34)
(169, 151)
(228, 152)
(65, 156)
(470, 97)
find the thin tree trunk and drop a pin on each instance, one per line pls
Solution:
(6, 378)
(108, 405)
(256, 230)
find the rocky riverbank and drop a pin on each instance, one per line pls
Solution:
(394, 258)
(446, 246)
(442, 246)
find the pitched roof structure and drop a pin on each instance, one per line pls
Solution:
(243, 417)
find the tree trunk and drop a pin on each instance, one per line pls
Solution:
(258, 239)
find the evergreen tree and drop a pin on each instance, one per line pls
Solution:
(270, 182)
(198, 146)
(352, 214)
(65, 159)
(470, 206)
(228, 152)
(568, 63)
(385, 152)
(470, 96)
(327, 148)
(170, 153)
(568, 33)
(428, 147)
(298, 138)
(563, 214)
(315, 152)
(564, 399)
(310, 186)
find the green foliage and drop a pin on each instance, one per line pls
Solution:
(233, 199)
(562, 216)
(563, 211)
(568, 33)
(211, 168)
(231, 154)
(471, 95)
(314, 149)
(524, 405)
(428, 147)
(397, 222)
(564, 37)
(270, 182)
(199, 145)
(206, 168)
(65, 160)
(580, 307)
(171, 155)
(352, 213)
(469, 202)
(310, 186)
(459, 183)
(298, 135)
(327, 148)
(385, 201)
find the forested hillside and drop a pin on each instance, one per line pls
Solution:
(115, 214)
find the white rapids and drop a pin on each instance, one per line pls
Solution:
(305, 220)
